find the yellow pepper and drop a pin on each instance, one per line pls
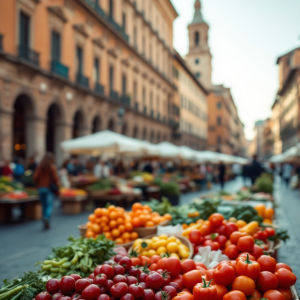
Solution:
(193, 215)
(250, 228)
(189, 229)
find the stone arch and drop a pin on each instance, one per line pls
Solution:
(111, 125)
(96, 124)
(135, 133)
(144, 137)
(79, 124)
(23, 126)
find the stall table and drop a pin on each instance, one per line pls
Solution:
(74, 204)
(30, 207)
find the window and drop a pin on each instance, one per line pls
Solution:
(143, 45)
(111, 78)
(124, 21)
(197, 61)
(198, 74)
(79, 56)
(55, 46)
(96, 71)
(135, 91)
(219, 121)
(197, 38)
(24, 30)
(124, 83)
(219, 139)
(144, 96)
(219, 105)
(134, 36)
(111, 8)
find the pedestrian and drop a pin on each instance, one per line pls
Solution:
(245, 173)
(222, 169)
(287, 170)
(31, 164)
(101, 170)
(46, 179)
(255, 169)
(19, 169)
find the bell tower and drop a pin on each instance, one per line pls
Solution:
(199, 56)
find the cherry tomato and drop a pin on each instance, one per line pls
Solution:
(205, 229)
(213, 245)
(126, 263)
(75, 276)
(105, 269)
(256, 295)
(262, 235)
(119, 278)
(216, 220)
(195, 237)
(286, 293)
(127, 297)
(171, 264)
(220, 230)
(190, 279)
(245, 243)
(257, 252)
(221, 239)
(187, 265)
(154, 280)
(247, 267)
(136, 261)
(270, 231)
(148, 294)
(266, 281)
(267, 263)
(100, 280)
(81, 284)
(204, 291)
(43, 296)
(235, 236)
(184, 296)
(110, 283)
(67, 284)
(155, 259)
(232, 251)
(53, 286)
(244, 255)
(118, 270)
(136, 290)
(91, 292)
(221, 291)
(230, 228)
(103, 297)
(175, 286)
(235, 295)
(283, 266)
(273, 295)
(56, 296)
(170, 290)
(179, 282)
(202, 265)
(286, 278)
(119, 289)
(244, 284)
(224, 274)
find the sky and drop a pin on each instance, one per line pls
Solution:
(245, 39)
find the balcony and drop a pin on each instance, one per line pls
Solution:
(114, 95)
(99, 88)
(125, 100)
(1, 42)
(145, 110)
(82, 80)
(59, 69)
(29, 55)
(100, 11)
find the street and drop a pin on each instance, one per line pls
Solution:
(22, 245)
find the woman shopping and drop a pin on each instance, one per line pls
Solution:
(46, 179)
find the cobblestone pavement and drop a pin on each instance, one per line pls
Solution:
(24, 244)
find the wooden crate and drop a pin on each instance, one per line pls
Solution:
(33, 211)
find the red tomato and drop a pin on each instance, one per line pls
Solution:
(245, 243)
(209, 274)
(267, 263)
(179, 282)
(216, 220)
(244, 254)
(155, 259)
(270, 231)
(154, 280)
(184, 296)
(202, 265)
(204, 291)
(91, 292)
(244, 284)
(286, 293)
(247, 267)
(187, 265)
(153, 267)
(195, 237)
(283, 266)
(203, 271)
(221, 239)
(257, 252)
(213, 245)
(266, 281)
(235, 295)
(205, 229)
(190, 279)
(230, 228)
(273, 295)
(171, 264)
(224, 274)
(261, 235)
(286, 278)
(235, 236)
(233, 263)
(220, 230)
(232, 252)
(256, 295)
(221, 291)
(228, 243)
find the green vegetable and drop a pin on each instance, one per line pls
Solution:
(264, 184)
(101, 185)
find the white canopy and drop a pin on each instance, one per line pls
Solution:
(289, 155)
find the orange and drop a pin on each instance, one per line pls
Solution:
(106, 228)
(92, 218)
(149, 224)
(98, 212)
(113, 215)
(168, 217)
(98, 221)
(156, 214)
(96, 228)
(128, 226)
(113, 224)
(156, 220)
(121, 228)
(111, 208)
(127, 241)
(119, 241)
(89, 233)
(104, 212)
(134, 235)
(143, 219)
(137, 206)
(126, 236)
(120, 214)
(103, 224)
(115, 233)
(147, 207)
(135, 222)
(89, 224)
(104, 219)
(138, 212)
(107, 235)
(120, 220)
(146, 211)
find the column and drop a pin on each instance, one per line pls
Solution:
(6, 134)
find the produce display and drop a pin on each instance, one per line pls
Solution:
(162, 245)
(71, 192)
(113, 223)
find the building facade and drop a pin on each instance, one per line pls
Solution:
(193, 107)
(225, 131)
(73, 67)
(268, 139)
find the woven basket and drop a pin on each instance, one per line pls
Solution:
(183, 240)
(146, 231)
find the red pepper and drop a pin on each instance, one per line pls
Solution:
(247, 267)
(203, 291)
